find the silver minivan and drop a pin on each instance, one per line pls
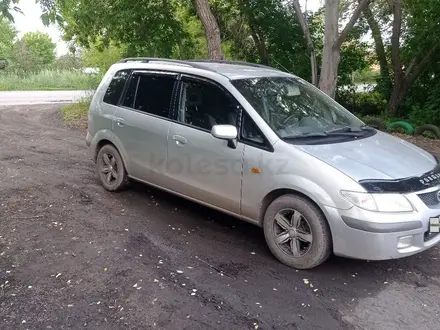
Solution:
(269, 148)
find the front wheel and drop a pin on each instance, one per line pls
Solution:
(110, 168)
(297, 233)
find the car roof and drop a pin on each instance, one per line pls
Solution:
(230, 69)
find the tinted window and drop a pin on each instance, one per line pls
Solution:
(250, 131)
(130, 94)
(153, 94)
(116, 87)
(204, 105)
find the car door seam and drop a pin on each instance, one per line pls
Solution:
(242, 174)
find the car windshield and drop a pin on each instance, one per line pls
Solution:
(292, 107)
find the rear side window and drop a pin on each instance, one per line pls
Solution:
(116, 87)
(150, 93)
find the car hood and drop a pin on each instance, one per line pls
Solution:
(380, 157)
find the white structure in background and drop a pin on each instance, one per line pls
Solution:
(90, 70)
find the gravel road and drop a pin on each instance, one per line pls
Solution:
(41, 97)
(73, 256)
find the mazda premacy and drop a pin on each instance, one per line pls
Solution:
(269, 148)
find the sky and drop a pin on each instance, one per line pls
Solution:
(30, 21)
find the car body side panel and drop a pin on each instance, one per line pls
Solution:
(290, 168)
(144, 138)
(204, 167)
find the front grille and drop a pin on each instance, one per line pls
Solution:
(429, 236)
(430, 199)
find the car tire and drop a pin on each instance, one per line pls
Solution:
(110, 168)
(427, 128)
(304, 222)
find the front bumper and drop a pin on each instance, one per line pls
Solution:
(368, 235)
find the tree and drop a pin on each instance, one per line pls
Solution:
(32, 53)
(385, 80)
(264, 31)
(97, 56)
(7, 36)
(412, 49)
(422, 27)
(147, 28)
(302, 20)
(333, 40)
(70, 61)
(41, 46)
(212, 30)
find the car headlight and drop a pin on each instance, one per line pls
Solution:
(378, 202)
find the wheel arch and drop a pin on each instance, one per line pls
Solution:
(274, 194)
(107, 139)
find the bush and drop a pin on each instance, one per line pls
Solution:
(428, 113)
(75, 114)
(48, 80)
(363, 103)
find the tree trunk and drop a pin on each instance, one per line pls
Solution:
(212, 30)
(331, 56)
(398, 74)
(261, 45)
(333, 42)
(379, 46)
(306, 31)
(397, 97)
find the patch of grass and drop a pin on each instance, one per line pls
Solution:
(75, 114)
(48, 80)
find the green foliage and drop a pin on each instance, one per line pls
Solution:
(49, 80)
(365, 76)
(7, 35)
(68, 62)
(7, 7)
(32, 53)
(99, 56)
(146, 27)
(363, 103)
(40, 45)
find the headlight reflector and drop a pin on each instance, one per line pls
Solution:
(378, 202)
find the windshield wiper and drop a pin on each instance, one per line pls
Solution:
(350, 130)
(367, 128)
(305, 135)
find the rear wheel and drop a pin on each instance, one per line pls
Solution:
(296, 232)
(111, 170)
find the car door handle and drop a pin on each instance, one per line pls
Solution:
(180, 140)
(119, 122)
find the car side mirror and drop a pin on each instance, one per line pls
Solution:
(226, 132)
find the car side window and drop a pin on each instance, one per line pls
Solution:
(130, 93)
(150, 93)
(116, 87)
(250, 132)
(204, 105)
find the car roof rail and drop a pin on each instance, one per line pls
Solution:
(165, 60)
(235, 63)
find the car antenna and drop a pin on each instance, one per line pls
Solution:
(278, 63)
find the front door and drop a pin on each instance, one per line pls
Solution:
(201, 166)
(142, 124)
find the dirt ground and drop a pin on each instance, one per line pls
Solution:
(73, 256)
